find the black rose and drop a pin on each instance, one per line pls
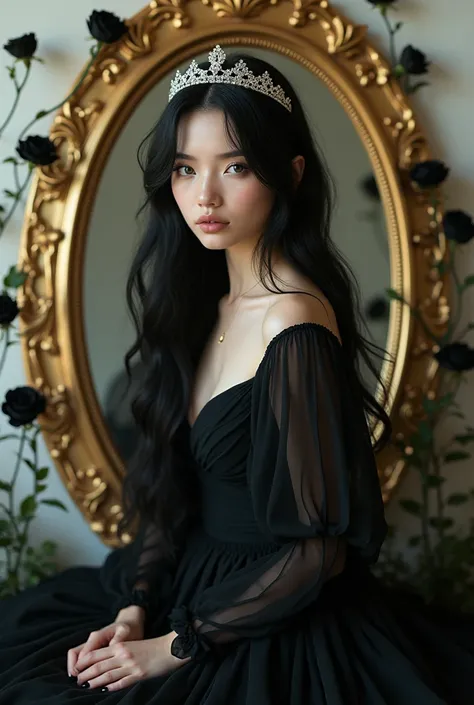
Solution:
(458, 226)
(106, 27)
(377, 308)
(369, 186)
(432, 172)
(8, 309)
(381, 2)
(456, 356)
(22, 47)
(414, 61)
(37, 150)
(23, 405)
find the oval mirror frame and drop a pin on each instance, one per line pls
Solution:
(161, 36)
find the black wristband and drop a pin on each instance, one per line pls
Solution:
(188, 643)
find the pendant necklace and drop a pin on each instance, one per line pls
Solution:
(222, 335)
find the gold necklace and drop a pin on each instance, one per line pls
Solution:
(222, 335)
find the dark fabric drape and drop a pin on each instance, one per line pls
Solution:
(314, 487)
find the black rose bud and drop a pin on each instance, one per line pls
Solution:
(106, 27)
(377, 308)
(22, 47)
(37, 150)
(458, 226)
(456, 356)
(23, 405)
(430, 173)
(369, 186)
(414, 61)
(8, 310)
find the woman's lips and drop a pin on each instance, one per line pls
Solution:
(212, 227)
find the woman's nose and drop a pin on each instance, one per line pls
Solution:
(208, 194)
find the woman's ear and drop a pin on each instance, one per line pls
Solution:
(298, 169)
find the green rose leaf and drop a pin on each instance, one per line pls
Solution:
(42, 473)
(455, 456)
(464, 438)
(439, 523)
(411, 506)
(392, 294)
(435, 480)
(49, 547)
(28, 507)
(54, 503)
(14, 278)
(468, 281)
(414, 541)
(457, 498)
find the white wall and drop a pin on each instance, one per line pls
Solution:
(444, 108)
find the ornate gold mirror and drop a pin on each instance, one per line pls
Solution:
(80, 227)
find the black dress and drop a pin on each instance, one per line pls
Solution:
(272, 588)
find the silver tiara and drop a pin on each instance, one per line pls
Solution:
(239, 75)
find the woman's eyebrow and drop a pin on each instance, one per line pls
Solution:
(224, 155)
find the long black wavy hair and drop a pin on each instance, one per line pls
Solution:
(175, 283)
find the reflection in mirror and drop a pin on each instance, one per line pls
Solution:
(358, 230)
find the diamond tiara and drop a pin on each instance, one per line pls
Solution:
(239, 75)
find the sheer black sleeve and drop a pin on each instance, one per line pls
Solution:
(151, 573)
(149, 562)
(314, 486)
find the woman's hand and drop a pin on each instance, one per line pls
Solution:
(128, 626)
(120, 665)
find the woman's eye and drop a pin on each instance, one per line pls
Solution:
(241, 166)
(182, 166)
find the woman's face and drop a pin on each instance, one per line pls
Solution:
(207, 180)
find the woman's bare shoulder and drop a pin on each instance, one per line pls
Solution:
(308, 306)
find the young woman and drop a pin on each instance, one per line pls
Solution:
(255, 481)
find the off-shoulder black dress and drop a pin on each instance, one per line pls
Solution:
(272, 593)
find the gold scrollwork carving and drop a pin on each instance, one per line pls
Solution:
(56, 216)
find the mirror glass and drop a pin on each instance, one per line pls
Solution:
(358, 229)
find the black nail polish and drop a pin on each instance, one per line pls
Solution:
(86, 685)
(73, 678)
(104, 689)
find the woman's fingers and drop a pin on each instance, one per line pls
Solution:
(122, 631)
(109, 666)
(102, 672)
(96, 640)
(72, 656)
(111, 634)
(115, 679)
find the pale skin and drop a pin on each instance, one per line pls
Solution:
(117, 656)
(205, 183)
